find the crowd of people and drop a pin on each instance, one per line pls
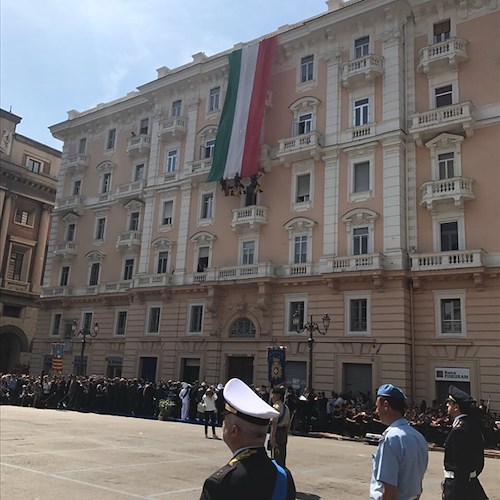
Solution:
(341, 414)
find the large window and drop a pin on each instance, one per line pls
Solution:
(360, 236)
(23, 217)
(450, 313)
(16, 265)
(77, 187)
(56, 325)
(247, 253)
(307, 69)
(442, 31)
(304, 124)
(70, 232)
(296, 307)
(34, 165)
(300, 249)
(133, 224)
(168, 210)
(207, 151)
(139, 172)
(446, 164)
(128, 269)
(144, 126)
(444, 95)
(361, 47)
(162, 266)
(82, 145)
(121, 323)
(361, 177)
(207, 206)
(100, 228)
(449, 236)
(64, 276)
(303, 188)
(361, 112)
(106, 183)
(214, 98)
(176, 108)
(171, 162)
(195, 318)
(95, 269)
(154, 319)
(203, 256)
(357, 311)
(242, 328)
(110, 142)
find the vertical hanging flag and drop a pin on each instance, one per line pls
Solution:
(57, 357)
(237, 140)
(276, 365)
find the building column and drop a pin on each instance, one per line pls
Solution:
(43, 232)
(3, 195)
(147, 231)
(4, 227)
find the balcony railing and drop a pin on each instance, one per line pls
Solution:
(249, 217)
(365, 262)
(77, 163)
(447, 260)
(148, 280)
(442, 55)
(456, 117)
(66, 249)
(52, 291)
(457, 189)
(364, 69)
(199, 169)
(16, 286)
(129, 240)
(117, 286)
(306, 269)
(263, 270)
(301, 146)
(139, 145)
(74, 203)
(175, 126)
(129, 190)
(359, 133)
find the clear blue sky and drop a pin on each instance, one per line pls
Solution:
(58, 55)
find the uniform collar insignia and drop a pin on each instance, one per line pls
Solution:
(241, 456)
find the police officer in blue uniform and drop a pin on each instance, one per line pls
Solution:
(250, 474)
(403, 453)
(463, 449)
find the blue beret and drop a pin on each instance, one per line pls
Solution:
(390, 391)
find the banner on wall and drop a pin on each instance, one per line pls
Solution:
(57, 357)
(276, 365)
(452, 374)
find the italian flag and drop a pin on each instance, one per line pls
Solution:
(237, 140)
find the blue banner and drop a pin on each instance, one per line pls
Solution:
(58, 351)
(276, 365)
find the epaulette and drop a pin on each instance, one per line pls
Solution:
(222, 472)
(241, 456)
(459, 424)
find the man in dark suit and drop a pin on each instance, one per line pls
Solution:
(463, 450)
(250, 474)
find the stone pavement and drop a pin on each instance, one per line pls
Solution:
(49, 454)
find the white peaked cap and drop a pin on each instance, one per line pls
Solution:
(246, 404)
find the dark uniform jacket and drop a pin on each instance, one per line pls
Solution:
(464, 454)
(251, 475)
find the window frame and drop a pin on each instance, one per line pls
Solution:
(290, 299)
(171, 161)
(128, 268)
(110, 143)
(151, 306)
(167, 225)
(159, 260)
(364, 106)
(214, 100)
(34, 165)
(91, 281)
(361, 50)
(191, 317)
(443, 295)
(56, 314)
(26, 218)
(440, 218)
(348, 298)
(307, 69)
(118, 313)
(176, 110)
(446, 91)
(64, 275)
(134, 221)
(98, 237)
(139, 167)
(357, 157)
(243, 253)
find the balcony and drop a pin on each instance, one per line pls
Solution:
(199, 169)
(442, 56)
(173, 127)
(118, 286)
(359, 133)
(76, 163)
(130, 190)
(129, 240)
(457, 259)
(70, 203)
(454, 118)
(457, 190)
(251, 217)
(365, 262)
(150, 280)
(54, 291)
(66, 249)
(16, 286)
(360, 71)
(301, 147)
(290, 270)
(264, 270)
(139, 145)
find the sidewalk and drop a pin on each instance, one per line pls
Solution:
(489, 453)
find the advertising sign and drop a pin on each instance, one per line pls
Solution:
(453, 374)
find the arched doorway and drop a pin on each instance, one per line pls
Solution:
(13, 342)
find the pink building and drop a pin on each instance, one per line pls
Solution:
(379, 177)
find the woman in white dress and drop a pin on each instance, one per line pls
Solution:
(184, 396)
(208, 400)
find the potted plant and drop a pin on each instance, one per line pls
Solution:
(165, 408)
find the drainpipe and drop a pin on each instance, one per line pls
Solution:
(412, 344)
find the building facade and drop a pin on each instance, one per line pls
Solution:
(28, 178)
(375, 204)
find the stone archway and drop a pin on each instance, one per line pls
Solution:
(13, 342)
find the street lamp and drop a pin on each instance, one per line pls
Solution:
(83, 333)
(311, 327)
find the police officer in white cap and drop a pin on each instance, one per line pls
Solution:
(250, 474)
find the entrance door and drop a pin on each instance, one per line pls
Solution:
(241, 367)
(10, 351)
(190, 370)
(358, 378)
(147, 368)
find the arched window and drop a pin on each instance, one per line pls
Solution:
(242, 328)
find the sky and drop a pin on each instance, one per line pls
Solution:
(58, 55)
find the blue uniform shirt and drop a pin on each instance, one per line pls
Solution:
(401, 460)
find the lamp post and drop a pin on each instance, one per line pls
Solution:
(83, 333)
(311, 327)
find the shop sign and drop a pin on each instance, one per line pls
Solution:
(453, 374)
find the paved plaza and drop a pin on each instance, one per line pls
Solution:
(61, 454)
